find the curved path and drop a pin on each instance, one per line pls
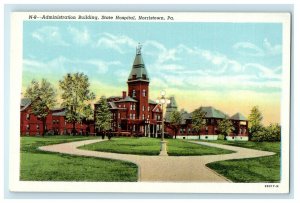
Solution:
(166, 168)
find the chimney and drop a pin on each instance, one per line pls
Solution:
(123, 94)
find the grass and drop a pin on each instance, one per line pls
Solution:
(252, 170)
(39, 165)
(139, 146)
(183, 148)
(151, 146)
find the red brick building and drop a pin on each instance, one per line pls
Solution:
(29, 123)
(56, 123)
(133, 112)
(210, 131)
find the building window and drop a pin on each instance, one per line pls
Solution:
(28, 116)
(143, 108)
(133, 116)
(37, 127)
(189, 130)
(158, 117)
(130, 116)
(148, 116)
(144, 93)
(27, 127)
(119, 126)
(143, 117)
(133, 106)
(119, 115)
(45, 127)
(124, 106)
(148, 108)
(133, 93)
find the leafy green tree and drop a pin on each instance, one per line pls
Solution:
(255, 125)
(175, 121)
(43, 97)
(103, 116)
(225, 127)
(198, 120)
(75, 95)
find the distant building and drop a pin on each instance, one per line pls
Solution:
(210, 131)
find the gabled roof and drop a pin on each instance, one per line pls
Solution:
(156, 107)
(127, 99)
(239, 117)
(211, 112)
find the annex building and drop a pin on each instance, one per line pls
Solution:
(134, 114)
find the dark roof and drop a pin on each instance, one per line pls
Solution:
(127, 99)
(211, 112)
(151, 101)
(60, 113)
(25, 101)
(138, 69)
(172, 103)
(185, 116)
(239, 117)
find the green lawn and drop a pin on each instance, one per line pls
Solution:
(140, 146)
(262, 169)
(178, 147)
(38, 165)
(151, 146)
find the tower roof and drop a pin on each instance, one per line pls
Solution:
(239, 117)
(138, 71)
(172, 103)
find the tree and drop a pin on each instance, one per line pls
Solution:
(198, 120)
(255, 125)
(43, 97)
(175, 121)
(75, 95)
(103, 115)
(225, 127)
(274, 132)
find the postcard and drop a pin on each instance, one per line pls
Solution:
(160, 102)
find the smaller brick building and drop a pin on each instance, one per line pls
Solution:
(56, 123)
(210, 131)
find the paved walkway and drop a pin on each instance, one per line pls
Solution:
(166, 168)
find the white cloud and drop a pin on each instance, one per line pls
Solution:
(80, 37)
(262, 71)
(248, 49)
(271, 49)
(50, 35)
(102, 66)
(115, 42)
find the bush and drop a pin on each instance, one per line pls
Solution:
(272, 133)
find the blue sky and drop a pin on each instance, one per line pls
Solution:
(232, 66)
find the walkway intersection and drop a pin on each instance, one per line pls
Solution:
(166, 168)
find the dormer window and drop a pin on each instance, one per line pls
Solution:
(144, 76)
(133, 77)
